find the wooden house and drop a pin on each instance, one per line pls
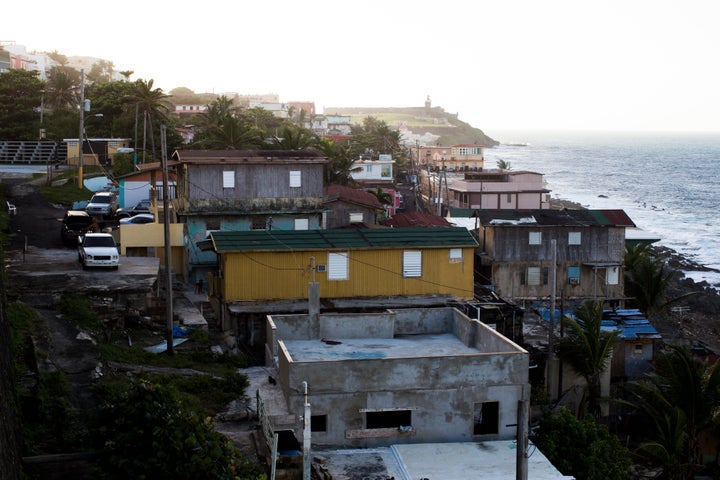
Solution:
(271, 267)
(517, 248)
(244, 190)
(351, 206)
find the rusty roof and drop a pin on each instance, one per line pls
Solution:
(352, 195)
(416, 219)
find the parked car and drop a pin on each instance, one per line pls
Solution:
(76, 223)
(143, 206)
(98, 250)
(138, 219)
(103, 205)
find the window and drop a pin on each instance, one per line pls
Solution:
(318, 423)
(574, 275)
(258, 223)
(385, 171)
(228, 179)
(388, 419)
(455, 255)
(302, 224)
(509, 198)
(535, 238)
(356, 217)
(535, 276)
(612, 275)
(368, 168)
(485, 418)
(295, 178)
(337, 266)
(574, 238)
(412, 263)
(638, 350)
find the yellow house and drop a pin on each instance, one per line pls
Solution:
(345, 263)
(96, 151)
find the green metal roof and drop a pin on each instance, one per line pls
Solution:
(345, 238)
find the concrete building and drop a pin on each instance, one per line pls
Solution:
(401, 376)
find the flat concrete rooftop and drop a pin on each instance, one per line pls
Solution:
(408, 346)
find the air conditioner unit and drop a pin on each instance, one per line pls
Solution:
(321, 268)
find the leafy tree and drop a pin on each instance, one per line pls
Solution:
(262, 119)
(149, 433)
(587, 348)
(647, 279)
(681, 398)
(581, 448)
(20, 99)
(375, 137)
(111, 100)
(101, 72)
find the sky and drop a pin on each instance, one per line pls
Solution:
(631, 65)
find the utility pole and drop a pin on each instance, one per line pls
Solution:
(168, 256)
(82, 128)
(552, 371)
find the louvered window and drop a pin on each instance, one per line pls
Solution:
(337, 266)
(412, 263)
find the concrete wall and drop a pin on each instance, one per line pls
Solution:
(440, 391)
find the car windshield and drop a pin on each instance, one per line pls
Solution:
(99, 242)
(102, 199)
(78, 222)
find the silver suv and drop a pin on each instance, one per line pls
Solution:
(103, 205)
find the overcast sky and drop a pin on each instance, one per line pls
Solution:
(500, 65)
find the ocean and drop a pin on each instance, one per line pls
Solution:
(668, 183)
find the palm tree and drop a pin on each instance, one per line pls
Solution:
(503, 164)
(587, 348)
(62, 88)
(339, 169)
(682, 399)
(294, 138)
(152, 103)
(230, 133)
(647, 279)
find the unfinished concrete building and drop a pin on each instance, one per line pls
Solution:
(402, 376)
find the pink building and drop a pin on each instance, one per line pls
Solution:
(499, 190)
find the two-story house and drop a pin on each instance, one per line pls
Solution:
(521, 251)
(498, 189)
(244, 190)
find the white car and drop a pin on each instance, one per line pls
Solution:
(138, 219)
(98, 250)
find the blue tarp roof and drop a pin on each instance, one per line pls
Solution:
(630, 324)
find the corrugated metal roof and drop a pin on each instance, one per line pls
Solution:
(272, 240)
(567, 217)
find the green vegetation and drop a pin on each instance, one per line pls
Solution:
(148, 432)
(145, 420)
(582, 448)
